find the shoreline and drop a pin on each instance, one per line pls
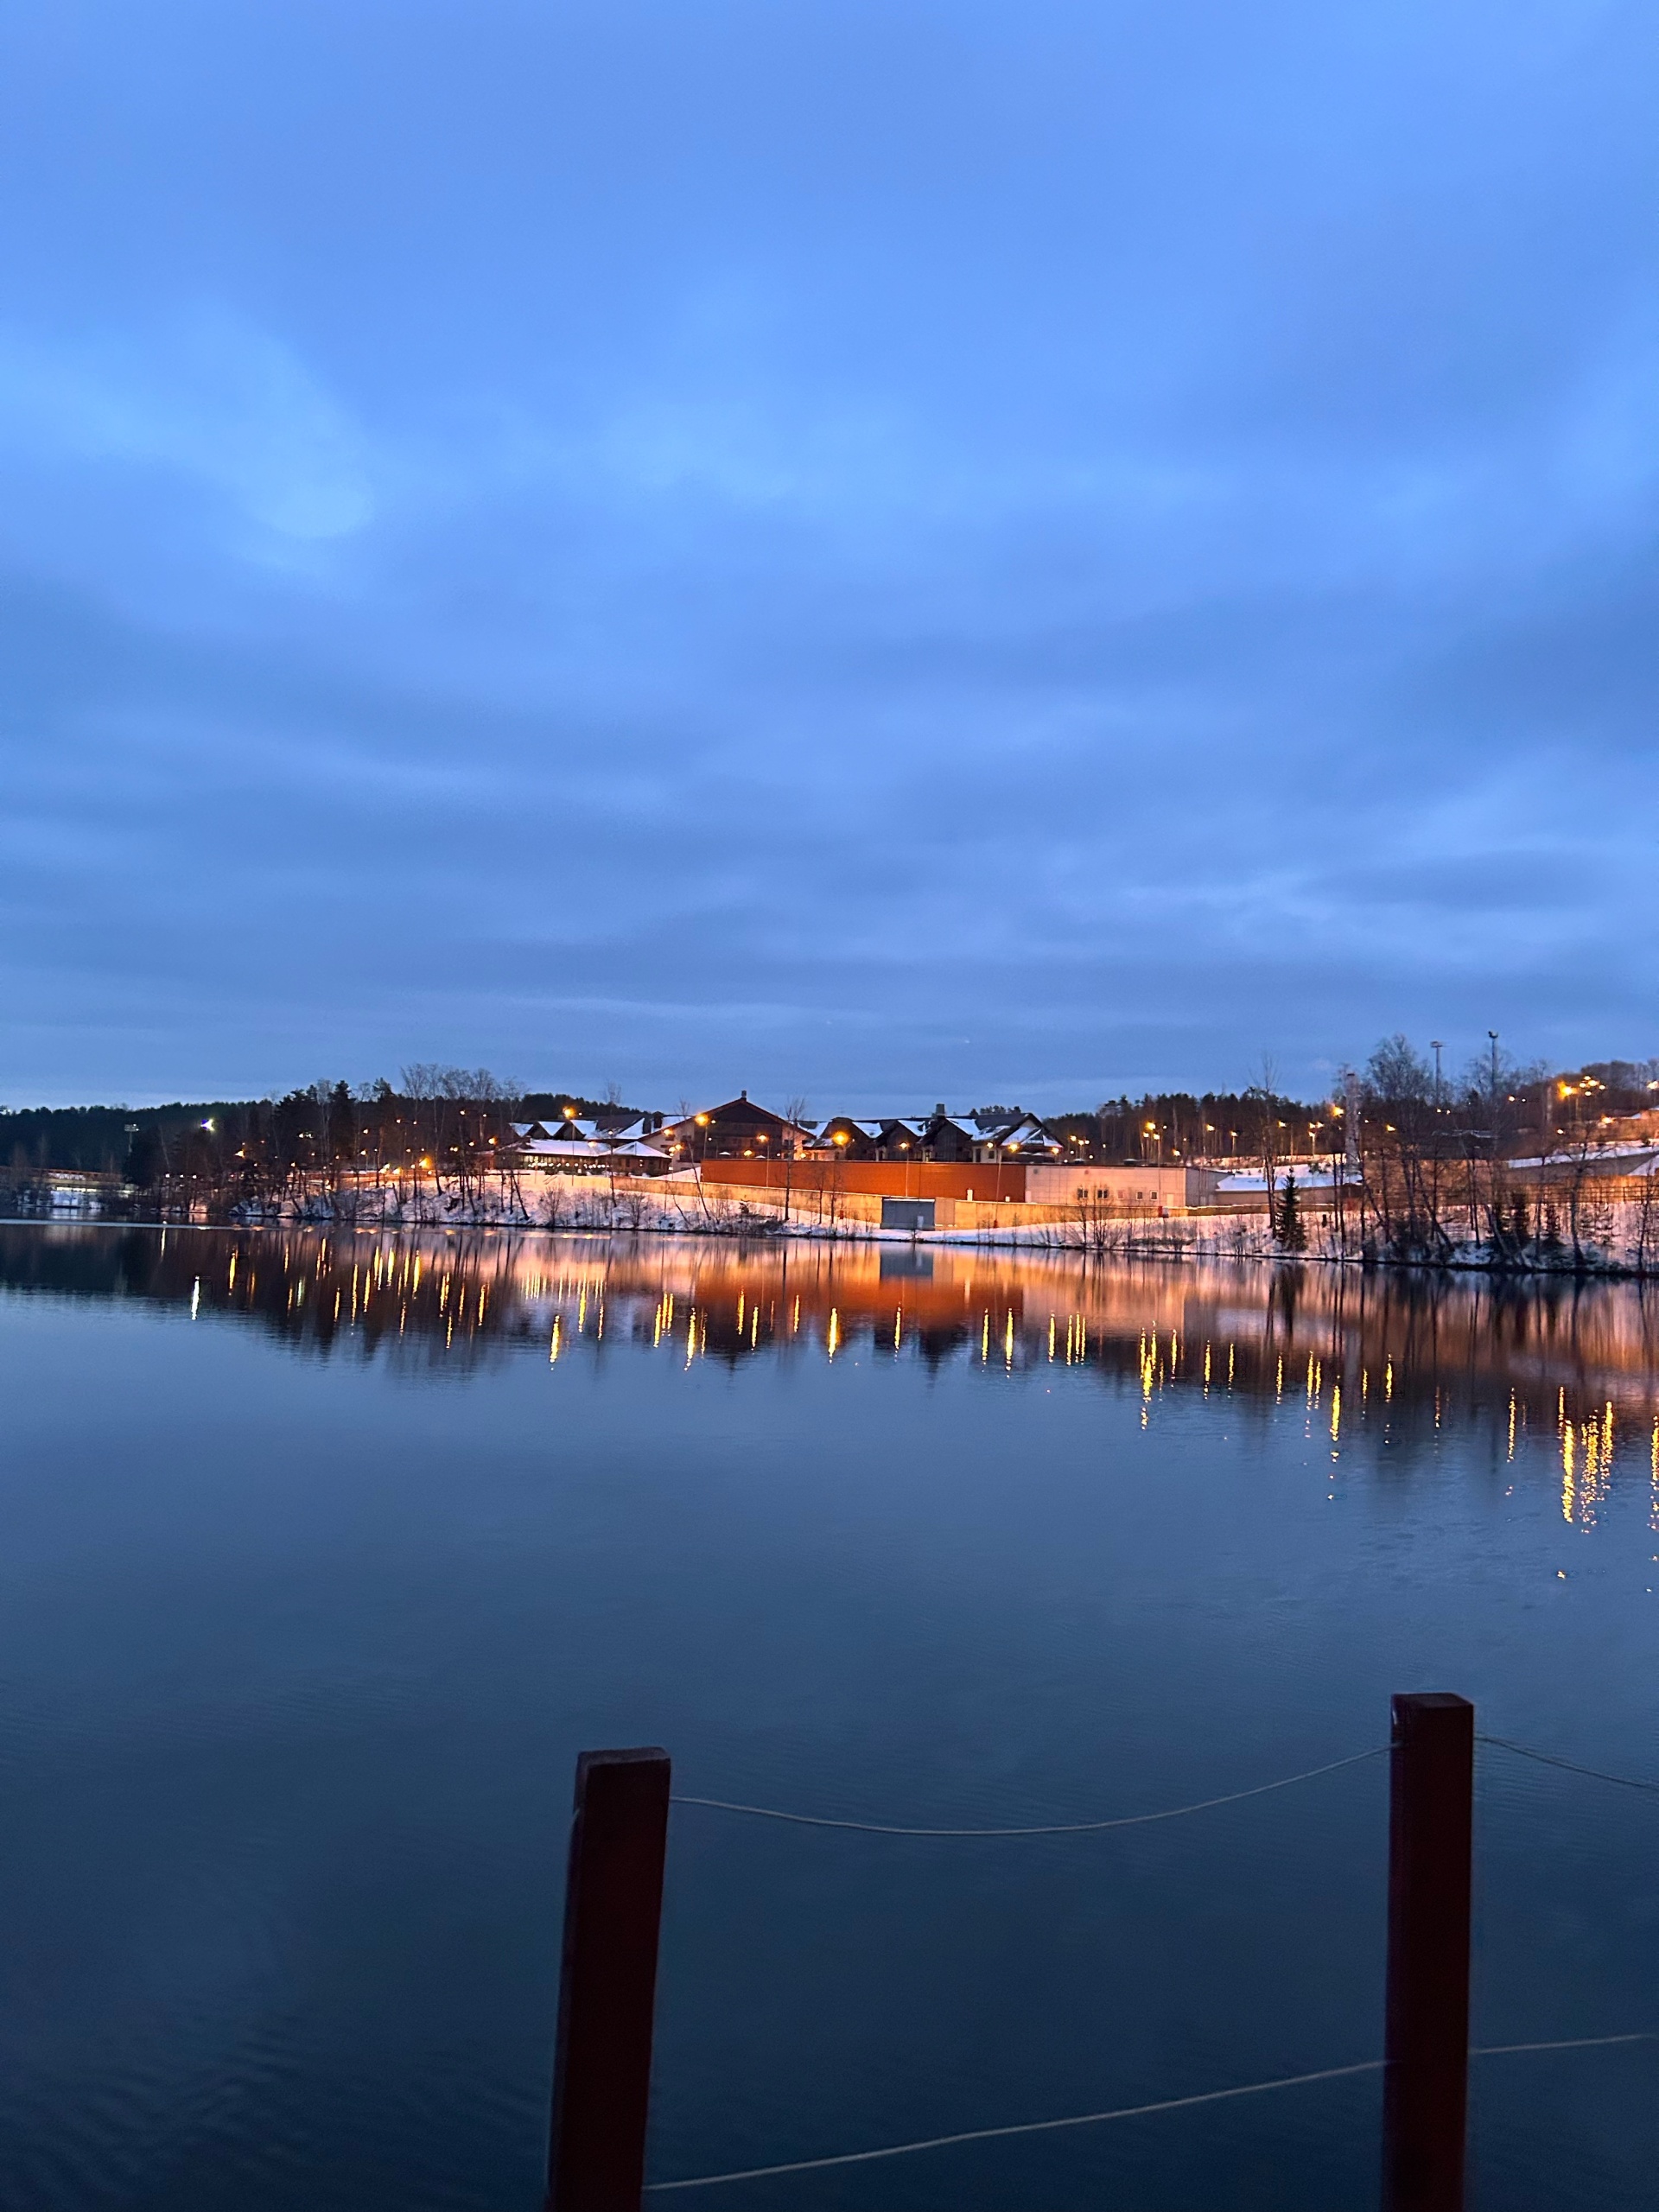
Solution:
(1242, 1245)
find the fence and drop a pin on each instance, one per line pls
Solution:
(619, 1840)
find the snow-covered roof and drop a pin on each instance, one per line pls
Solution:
(1025, 1133)
(824, 1140)
(589, 1148)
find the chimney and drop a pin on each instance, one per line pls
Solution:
(939, 1109)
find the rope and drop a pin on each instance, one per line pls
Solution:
(1122, 2112)
(1140, 1820)
(1571, 1766)
(1065, 1827)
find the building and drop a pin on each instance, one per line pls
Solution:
(1002, 1133)
(990, 1138)
(844, 1137)
(609, 1143)
(740, 1129)
(1142, 1191)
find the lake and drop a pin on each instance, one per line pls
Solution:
(323, 1556)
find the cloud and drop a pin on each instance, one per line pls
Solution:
(205, 397)
(895, 545)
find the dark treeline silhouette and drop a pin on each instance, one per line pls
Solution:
(444, 1113)
(1169, 1126)
(93, 1139)
(437, 1123)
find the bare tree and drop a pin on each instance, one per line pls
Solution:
(1264, 1094)
(796, 1110)
(1405, 1151)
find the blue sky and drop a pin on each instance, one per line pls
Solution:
(879, 552)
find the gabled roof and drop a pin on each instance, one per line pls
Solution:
(557, 1127)
(1025, 1133)
(742, 1110)
(824, 1138)
(589, 1148)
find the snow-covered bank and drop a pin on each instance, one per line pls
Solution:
(1623, 1239)
(1608, 1238)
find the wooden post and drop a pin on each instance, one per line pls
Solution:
(608, 1982)
(1426, 2082)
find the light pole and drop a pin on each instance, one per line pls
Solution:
(1437, 1045)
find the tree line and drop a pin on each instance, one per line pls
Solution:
(437, 1122)
(1431, 1152)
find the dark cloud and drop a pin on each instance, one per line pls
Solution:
(890, 550)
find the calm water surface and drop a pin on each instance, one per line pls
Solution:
(321, 1557)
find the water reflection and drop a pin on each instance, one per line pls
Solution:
(865, 1529)
(1403, 1357)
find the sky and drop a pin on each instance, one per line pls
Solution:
(875, 553)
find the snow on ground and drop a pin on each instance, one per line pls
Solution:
(1613, 1236)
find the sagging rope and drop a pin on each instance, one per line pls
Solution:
(1568, 1766)
(1062, 1827)
(1142, 1820)
(1122, 2111)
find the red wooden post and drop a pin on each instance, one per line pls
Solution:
(1430, 1828)
(608, 1982)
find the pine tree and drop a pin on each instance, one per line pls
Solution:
(1293, 1237)
(342, 1122)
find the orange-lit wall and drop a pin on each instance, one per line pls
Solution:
(887, 1179)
